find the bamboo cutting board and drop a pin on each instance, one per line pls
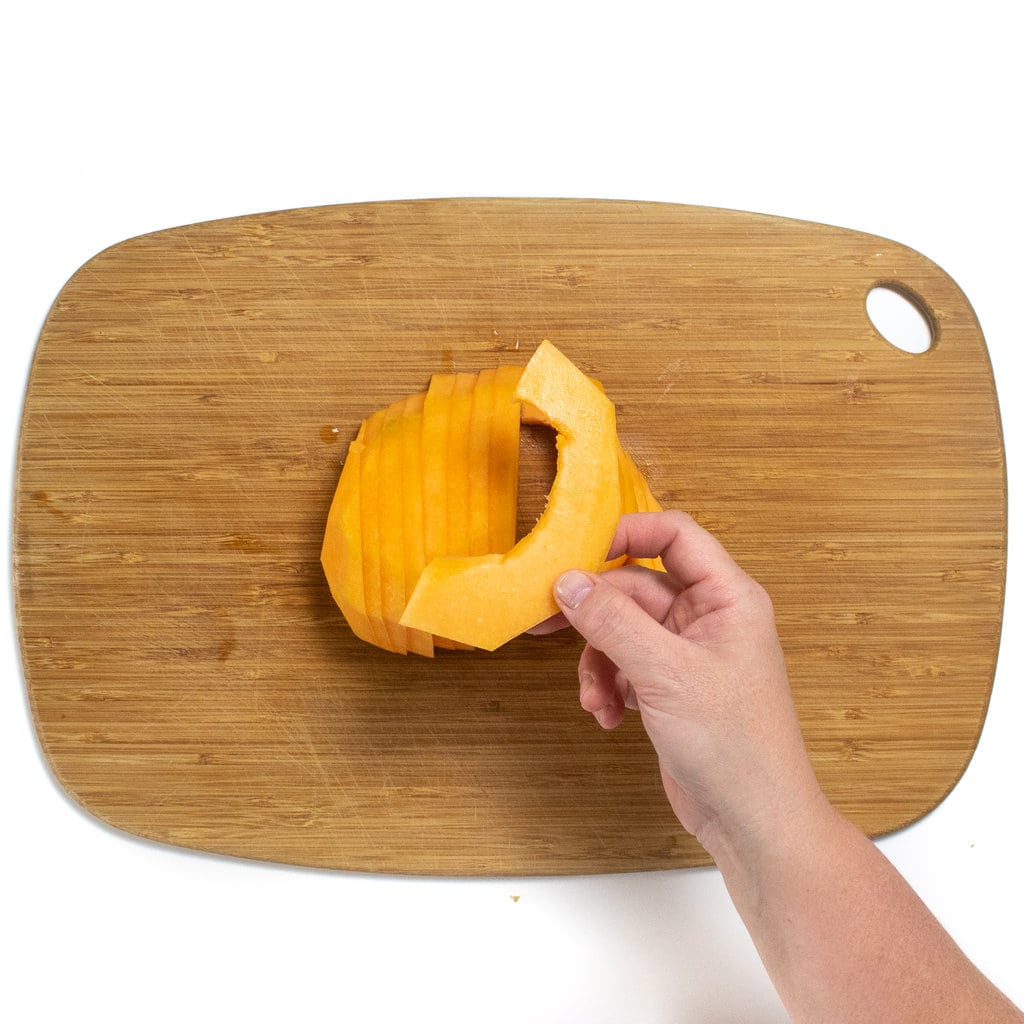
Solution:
(193, 393)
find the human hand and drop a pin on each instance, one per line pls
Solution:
(697, 653)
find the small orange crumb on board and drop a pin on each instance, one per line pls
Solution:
(420, 548)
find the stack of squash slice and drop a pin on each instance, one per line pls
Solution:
(420, 546)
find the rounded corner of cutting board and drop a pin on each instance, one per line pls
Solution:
(63, 781)
(188, 676)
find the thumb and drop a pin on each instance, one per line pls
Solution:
(612, 622)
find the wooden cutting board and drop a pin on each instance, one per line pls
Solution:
(191, 398)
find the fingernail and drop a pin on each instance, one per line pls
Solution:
(572, 588)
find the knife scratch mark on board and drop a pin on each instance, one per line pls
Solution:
(108, 390)
(317, 306)
(62, 438)
(339, 796)
(667, 377)
(239, 335)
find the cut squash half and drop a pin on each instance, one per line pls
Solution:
(420, 547)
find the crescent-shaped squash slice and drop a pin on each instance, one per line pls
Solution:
(478, 541)
(391, 553)
(457, 469)
(487, 600)
(434, 447)
(369, 515)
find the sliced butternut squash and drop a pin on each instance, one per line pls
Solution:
(487, 600)
(426, 504)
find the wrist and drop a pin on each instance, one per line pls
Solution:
(779, 827)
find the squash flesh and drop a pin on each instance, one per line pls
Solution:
(481, 418)
(436, 419)
(369, 514)
(456, 462)
(390, 520)
(411, 484)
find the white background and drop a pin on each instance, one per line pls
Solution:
(119, 118)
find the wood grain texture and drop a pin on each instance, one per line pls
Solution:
(191, 397)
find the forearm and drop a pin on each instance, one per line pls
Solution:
(841, 933)
(696, 651)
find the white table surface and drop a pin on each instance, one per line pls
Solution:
(123, 118)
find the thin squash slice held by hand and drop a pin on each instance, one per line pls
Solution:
(466, 583)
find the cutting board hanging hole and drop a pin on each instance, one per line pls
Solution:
(900, 318)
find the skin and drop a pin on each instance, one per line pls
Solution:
(695, 651)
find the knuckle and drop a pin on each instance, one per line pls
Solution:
(678, 518)
(759, 597)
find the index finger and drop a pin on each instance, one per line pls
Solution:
(687, 550)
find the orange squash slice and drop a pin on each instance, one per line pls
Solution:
(369, 517)
(436, 419)
(478, 466)
(457, 462)
(390, 524)
(411, 485)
